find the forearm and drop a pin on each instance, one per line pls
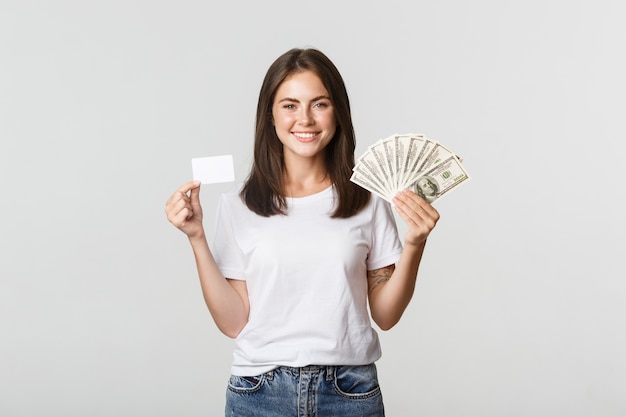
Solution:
(390, 296)
(226, 306)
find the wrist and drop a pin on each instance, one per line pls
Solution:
(415, 246)
(198, 236)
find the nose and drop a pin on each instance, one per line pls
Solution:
(305, 117)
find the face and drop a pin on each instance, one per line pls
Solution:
(303, 116)
(426, 186)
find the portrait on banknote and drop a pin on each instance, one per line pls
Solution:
(427, 188)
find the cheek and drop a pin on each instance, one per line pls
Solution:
(330, 122)
(282, 120)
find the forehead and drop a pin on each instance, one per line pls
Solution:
(302, 83)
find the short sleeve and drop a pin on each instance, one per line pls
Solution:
(386, 247)
(226, 251)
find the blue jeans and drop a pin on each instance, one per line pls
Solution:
(311, 391)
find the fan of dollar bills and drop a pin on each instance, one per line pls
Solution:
(410, 161)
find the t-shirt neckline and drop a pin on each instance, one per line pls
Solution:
(312, 197)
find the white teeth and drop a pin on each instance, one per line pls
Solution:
(305, 135)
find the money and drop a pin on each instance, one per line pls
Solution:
(409, 161)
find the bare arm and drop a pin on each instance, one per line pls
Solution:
(391, 288)
(227, 300)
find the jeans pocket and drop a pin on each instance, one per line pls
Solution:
(245, 384)
(357, 382)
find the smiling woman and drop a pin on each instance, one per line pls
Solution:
(298, 85)
(301, 252)
(304, 120)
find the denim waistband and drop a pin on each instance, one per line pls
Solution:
(309, 369)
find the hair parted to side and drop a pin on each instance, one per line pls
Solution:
(263, 190)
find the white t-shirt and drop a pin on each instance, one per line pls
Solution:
(306, 275)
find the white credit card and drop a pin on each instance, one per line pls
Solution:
(213, 169)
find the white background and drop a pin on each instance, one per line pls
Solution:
(520, 304)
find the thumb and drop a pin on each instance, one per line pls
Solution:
(194, 196)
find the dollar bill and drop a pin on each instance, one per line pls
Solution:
(434, 152)
(414, 151)
(412, 161)
(364, 180)
(382, 159)
(440, 179)
(371, 167)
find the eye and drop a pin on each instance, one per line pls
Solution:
(321, 105)
(289, 106)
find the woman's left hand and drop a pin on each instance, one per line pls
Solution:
(419, 215)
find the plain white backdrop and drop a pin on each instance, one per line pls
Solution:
(520, 305)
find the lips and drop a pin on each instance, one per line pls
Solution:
(305, 136)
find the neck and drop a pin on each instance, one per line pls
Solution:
(305, 177)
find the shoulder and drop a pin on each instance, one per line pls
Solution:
(376, 211)
(378, 205)
(232, 194)
(230, 200)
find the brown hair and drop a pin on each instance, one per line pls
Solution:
(263, 189)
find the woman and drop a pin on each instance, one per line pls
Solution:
(299, 253)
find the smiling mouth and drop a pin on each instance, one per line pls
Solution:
(305, 136)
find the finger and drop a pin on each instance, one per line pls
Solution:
(178, 209)
(409, 204)
(181, 193)
(404, 215)
(175, 201)
(181, 204)
(177, 218)
(173, 209)
(188, 186)
(419, 227)
(180, 218)
(411, 218)
(194, 196)
(415, 211)
(418, 204)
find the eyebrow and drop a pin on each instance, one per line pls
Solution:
(298, 101)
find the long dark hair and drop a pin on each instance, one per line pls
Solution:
(263, 189)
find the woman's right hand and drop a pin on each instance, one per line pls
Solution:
(184, 211)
